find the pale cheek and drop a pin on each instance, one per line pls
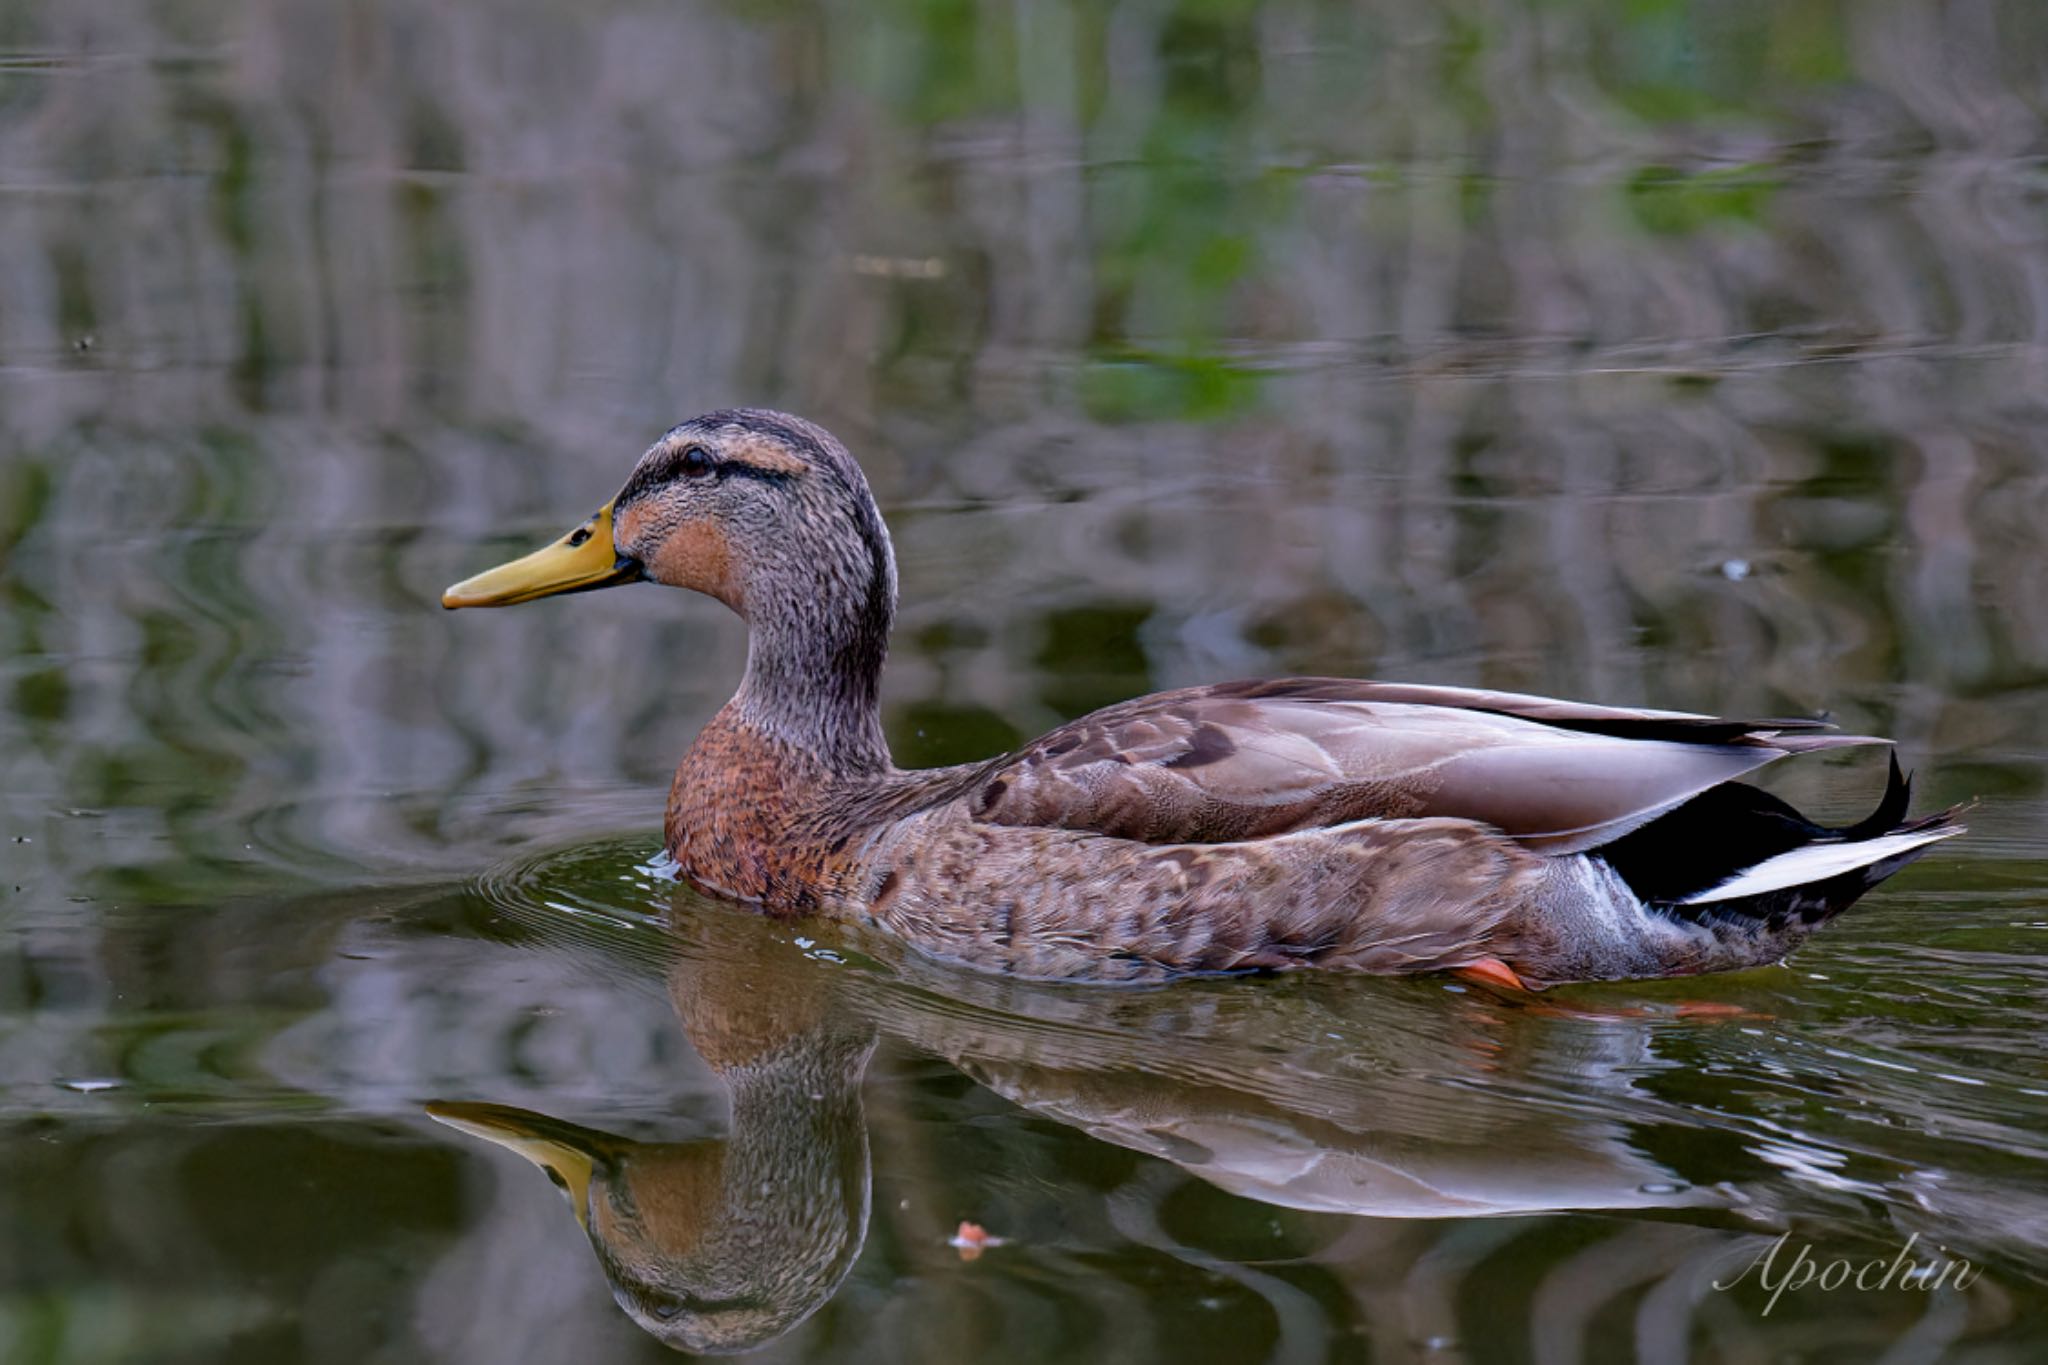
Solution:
(696, 555)
(629, 528)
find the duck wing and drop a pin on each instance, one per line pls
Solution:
(1249, 760)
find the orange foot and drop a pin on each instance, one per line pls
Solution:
(1491, 971)
(1713, 1009)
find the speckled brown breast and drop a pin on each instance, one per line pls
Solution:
(759, 821)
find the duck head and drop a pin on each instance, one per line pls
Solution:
(770, 515)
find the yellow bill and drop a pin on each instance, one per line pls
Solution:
(584, 559)
(566, 1152)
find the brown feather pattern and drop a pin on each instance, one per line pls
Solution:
(1252, 759)
(1376, 896)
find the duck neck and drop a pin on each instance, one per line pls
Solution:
(799, 1105)
(814, 669)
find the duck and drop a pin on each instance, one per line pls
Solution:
(1250, 827)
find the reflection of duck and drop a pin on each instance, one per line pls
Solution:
(718, 1245)
(1263, 1149)
(724, 1244)
(1260, 825)
(1389, 1106)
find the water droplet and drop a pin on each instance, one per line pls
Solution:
(1735, 570)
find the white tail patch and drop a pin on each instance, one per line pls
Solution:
(1817, 863)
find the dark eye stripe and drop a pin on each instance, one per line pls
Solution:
(739, 469)
(678, 465)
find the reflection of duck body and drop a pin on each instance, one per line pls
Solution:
(1303, 822)
(1259, 1149)
(1397, 1104)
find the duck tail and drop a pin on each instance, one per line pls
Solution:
(1737, 878)
(1821, 877)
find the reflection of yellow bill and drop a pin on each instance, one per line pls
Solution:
(584, 559)
(566, 1152)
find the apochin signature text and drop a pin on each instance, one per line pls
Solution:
(1802, 1270)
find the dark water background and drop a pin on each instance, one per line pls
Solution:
(1689, 355)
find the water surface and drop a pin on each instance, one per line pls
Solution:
(1650, 353)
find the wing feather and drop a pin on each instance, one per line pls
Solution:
(1254, 759)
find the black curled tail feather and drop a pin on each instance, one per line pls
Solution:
(1890, 815)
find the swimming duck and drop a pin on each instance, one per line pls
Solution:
(1246, 826)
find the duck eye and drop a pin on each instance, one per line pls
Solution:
(698, 464)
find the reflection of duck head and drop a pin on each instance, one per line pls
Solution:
(720, 1244)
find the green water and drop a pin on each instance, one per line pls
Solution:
(1647, 353)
